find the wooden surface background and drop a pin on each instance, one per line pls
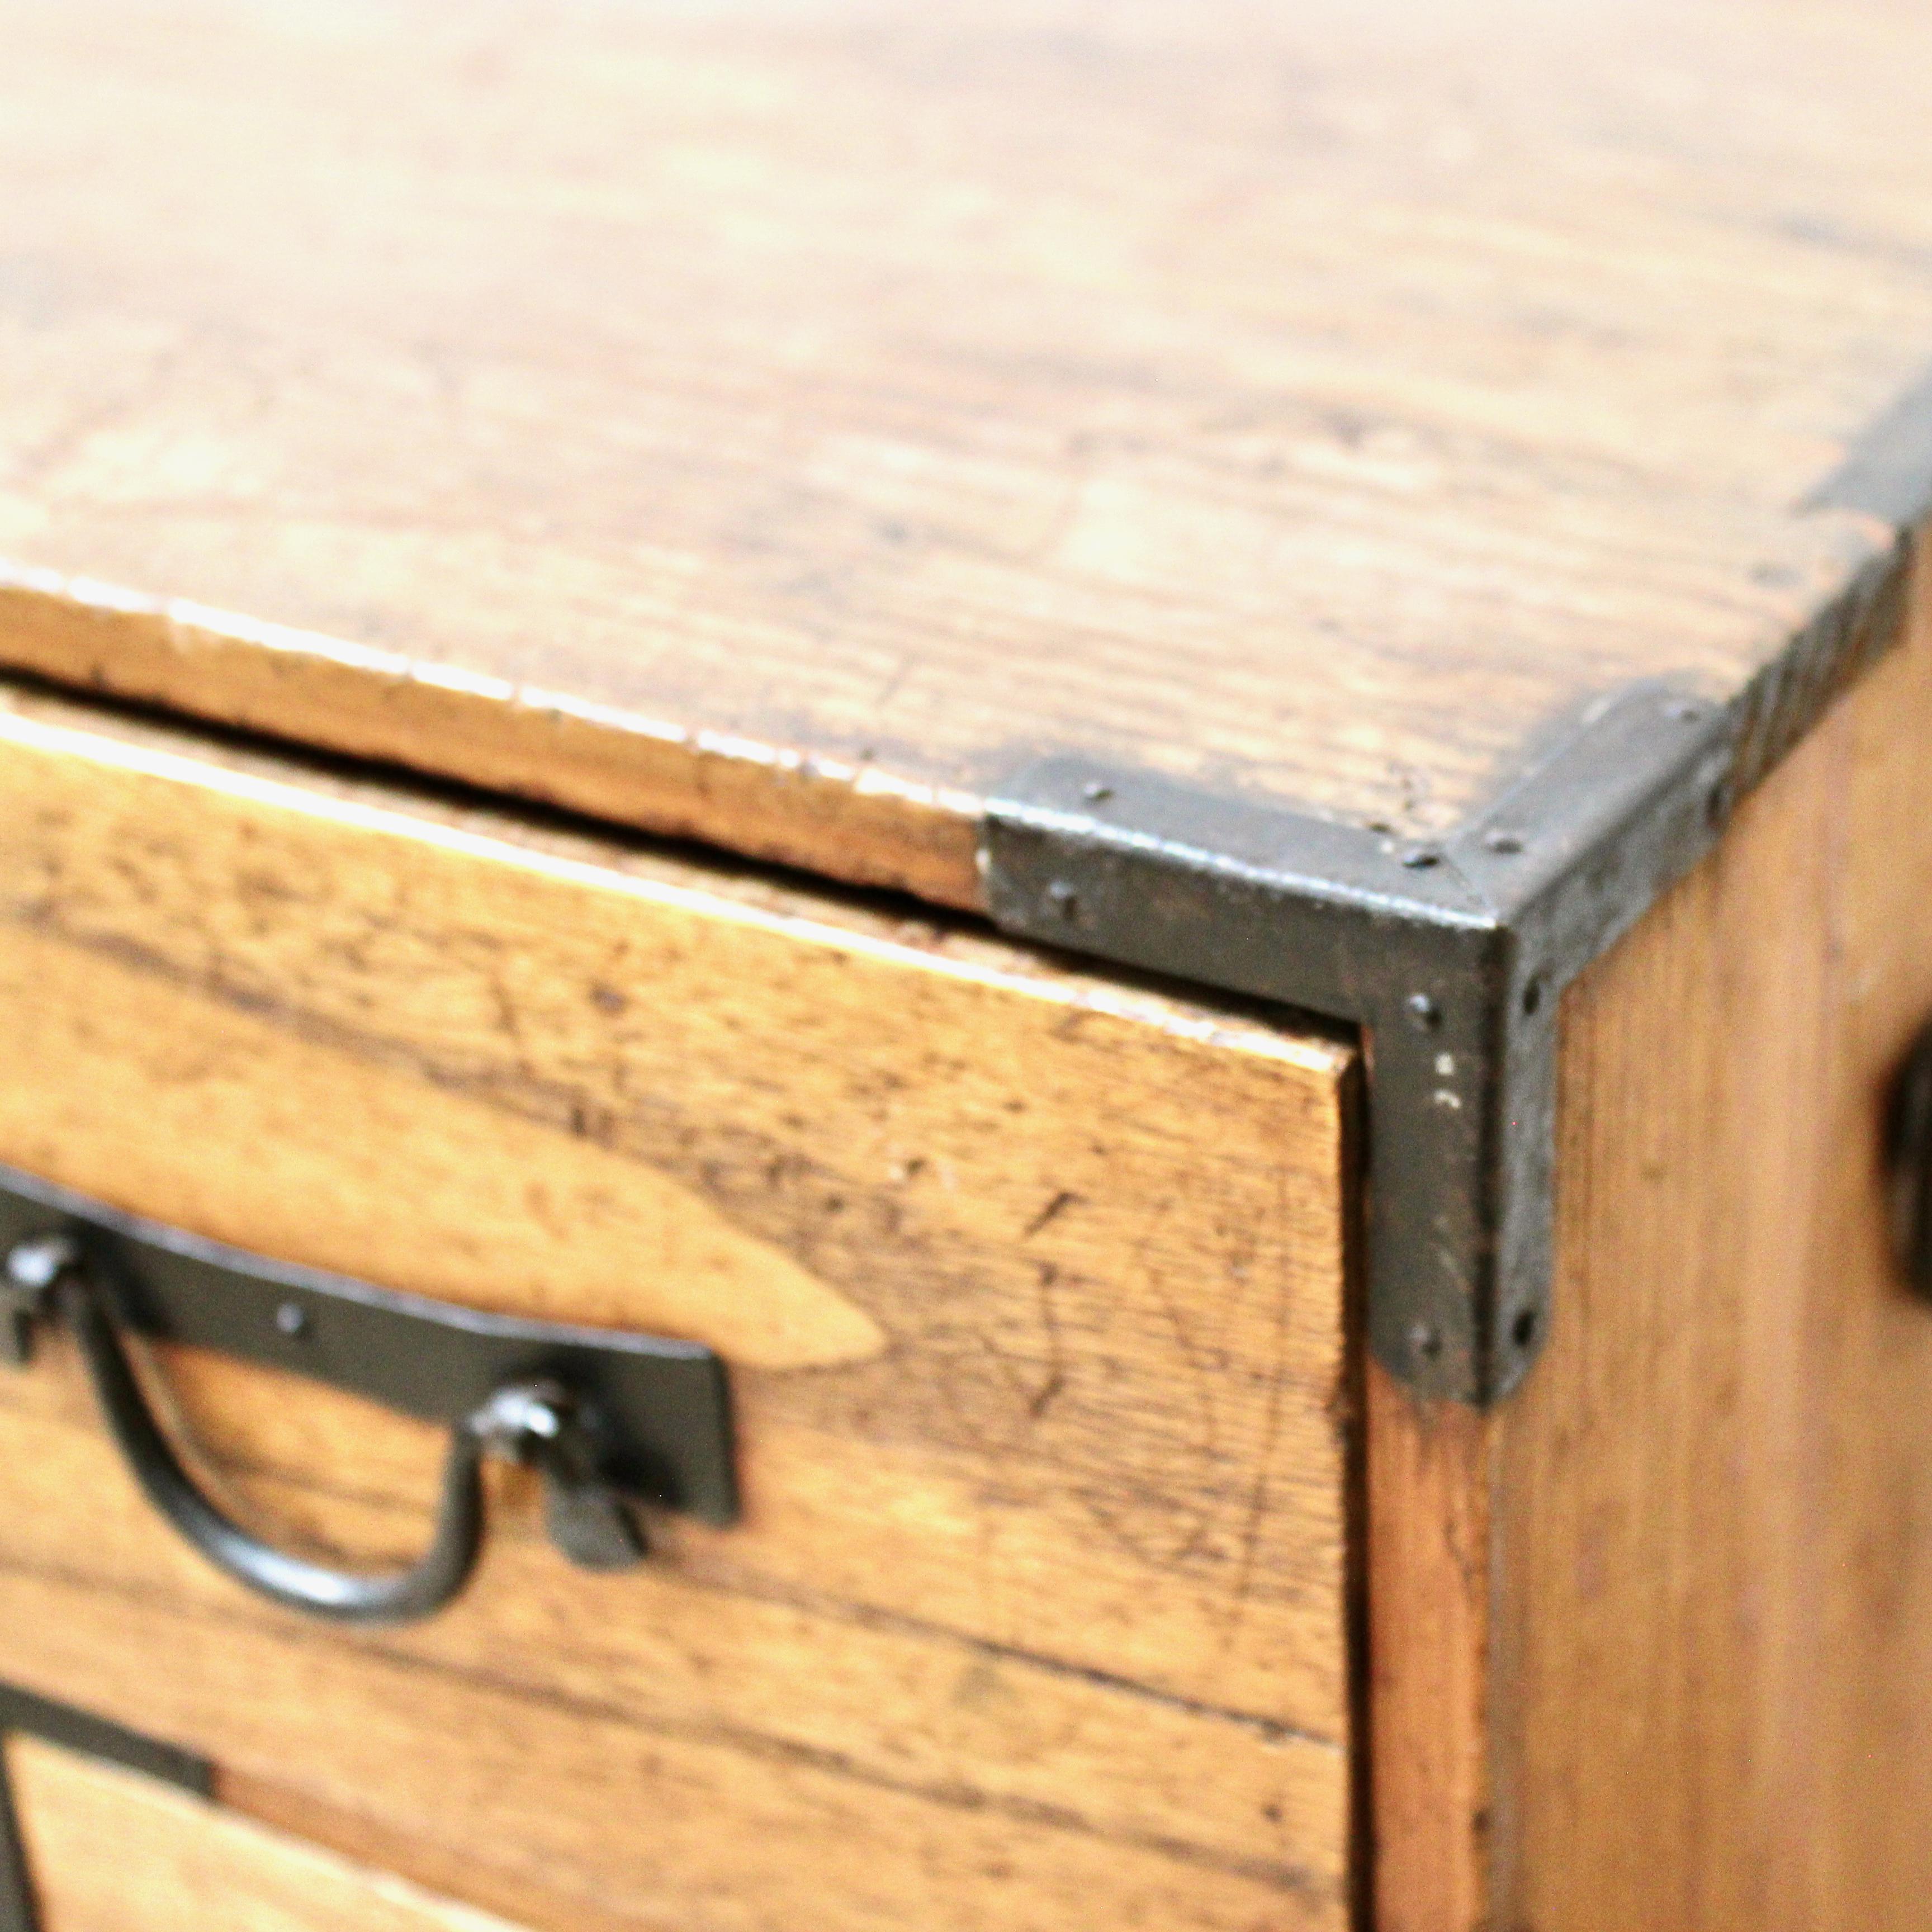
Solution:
(777, 421)
(1034, 1287)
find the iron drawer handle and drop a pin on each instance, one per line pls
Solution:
(399, 1597)
(529, 1422)
(604, 1416)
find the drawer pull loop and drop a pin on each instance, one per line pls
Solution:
(397, 1596)
(604, 1417)
(525, 1422)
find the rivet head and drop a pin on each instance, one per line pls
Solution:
(1425, 1341)
(1423, 1013)
(292, 1318)
(1063, 899)
(1419, 858)
(1097, 792)
(1508, 844)
(40, 1261)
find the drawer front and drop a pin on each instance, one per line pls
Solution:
(108, 1850)
(1033, 1288)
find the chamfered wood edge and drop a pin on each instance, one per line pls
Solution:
(850, 823)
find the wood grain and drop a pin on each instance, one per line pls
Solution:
(1042, 1584)
(112, 1851)
(1430, 1524)
(437, 1865)
(775, 422)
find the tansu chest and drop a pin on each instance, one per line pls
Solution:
(953, 975)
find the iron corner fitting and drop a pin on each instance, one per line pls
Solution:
(1450, 956)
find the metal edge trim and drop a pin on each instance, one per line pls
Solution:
(1887, 469)
(1404, 939)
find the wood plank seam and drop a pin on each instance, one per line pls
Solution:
(1061, 1819)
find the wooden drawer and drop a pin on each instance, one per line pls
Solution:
(1032, 1287)
(177, 1860)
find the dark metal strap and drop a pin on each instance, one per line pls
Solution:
(19, 1909)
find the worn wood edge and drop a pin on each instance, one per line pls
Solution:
(850, 821)
(853, 822)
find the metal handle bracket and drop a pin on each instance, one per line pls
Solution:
(607, 1416)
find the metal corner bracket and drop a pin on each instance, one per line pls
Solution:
(1450, 956)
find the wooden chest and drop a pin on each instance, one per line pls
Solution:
(958, 969)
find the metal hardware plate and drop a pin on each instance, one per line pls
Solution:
(1451, 956)
(662, 1407)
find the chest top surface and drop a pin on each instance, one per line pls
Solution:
(781, 421)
